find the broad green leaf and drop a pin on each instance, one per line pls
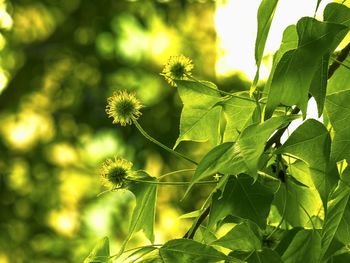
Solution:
(266, 12)
(289, 42)
(243, 155)
(244, 198)
(337, 213)
(295, 71)
(144, 212)
(286, 239)
(296, 203)
(238, 114)
(305, 247)
(204, 235)
(200, 116)
(186, 250)
(318, 87)
(264, 256)
(244, 236)
(146, 254)
(340, 81)
(100, 253)
(338, 111)
(311, 143)
(337, 13)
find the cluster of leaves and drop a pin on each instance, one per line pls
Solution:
(287, 202)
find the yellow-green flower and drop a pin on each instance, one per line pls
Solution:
(123, 107)
(114, 172)
(177, 67)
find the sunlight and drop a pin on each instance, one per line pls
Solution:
(6, 21)
(3, 79)
(64, 222)
(236, 25)
(25, 129)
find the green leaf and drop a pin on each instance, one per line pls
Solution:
(266, 12)
(337, 13)
(289, 42)
(338, 111)
(244, 236)
(311, 143)
(100, 253)
(318, 87)
(146, 253)
(295, 71)
(200, 116)
(298, 202)
(238, 114)
(305, 247)
(337, 217)
(144, 212)
(244, 198)
(243, 155)
(340, 81)
(264, 256)
(186, 250)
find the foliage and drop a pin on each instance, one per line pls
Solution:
(280, 201)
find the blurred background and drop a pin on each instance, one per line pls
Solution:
(59, 61)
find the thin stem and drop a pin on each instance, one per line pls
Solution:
(170, 183)
(341, 63)
(135, 248)
(176, 172)
(220, 91)
(147, 136)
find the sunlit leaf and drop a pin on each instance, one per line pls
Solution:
(100, 253)
(244, 236)
(238, 114)
(243, 155)
(244, 198)
(337, 216)
(289, 42)
(297, 203)
(199, 118)
(305, 247)
(338, 111)
(186, 250)
(144, 212)
(266, 12)
(311, 143)
(295, 71)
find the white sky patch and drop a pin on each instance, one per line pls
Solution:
(311, 114)
(236, 25)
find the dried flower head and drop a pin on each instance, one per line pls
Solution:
(114, 172)
(123, 107)
(177, 67)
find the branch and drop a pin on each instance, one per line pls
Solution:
(332, 68)
(190, 233)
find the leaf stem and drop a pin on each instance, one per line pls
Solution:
(220, 91)
(176, 172)
(170, 183)
(147, 136)
(135, 248)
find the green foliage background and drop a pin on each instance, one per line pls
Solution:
(62, 59)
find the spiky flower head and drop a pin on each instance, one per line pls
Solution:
(123, 107)
(114, 172)
(177, 67)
